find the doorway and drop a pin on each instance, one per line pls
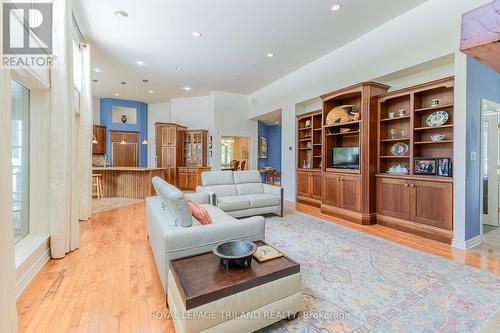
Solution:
(235, 153)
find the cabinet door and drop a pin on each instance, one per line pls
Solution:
(171, 175)
(183, 179)
(332, 190)
(393, 198)
(100, 136)
(124, 155)
(168, 157)
(303, 184)
(316, 181)
(193, 179)
(132, 137)
(431, 203)
(351, 194)
(169, 136)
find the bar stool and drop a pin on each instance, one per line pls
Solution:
(97, 183)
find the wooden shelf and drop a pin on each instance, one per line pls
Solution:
(433, 127)
(344, 124)
(439, 107)
(401, 157)
(346, 133)
(305, 148)
(395, 118)
(305, 128)
(417, 177)
(318, 129)
(433, 142)
(395, 140)
(318, 144)
(308, 147)
(304, 140)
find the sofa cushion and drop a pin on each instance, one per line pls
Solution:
(229, 204)
(199, 212)
(249, 176)
(217, 178)
(261, 200)
(249, 188)
(175, 201)
(222, 190)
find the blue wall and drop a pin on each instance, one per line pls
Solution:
(482, 82)
(273, 135)
(141, 126)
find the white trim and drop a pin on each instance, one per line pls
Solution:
(32, 253)
(468, 244)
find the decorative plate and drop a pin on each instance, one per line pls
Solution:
(437, 118)
(399, 149)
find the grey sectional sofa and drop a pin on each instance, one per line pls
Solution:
(242, 193)
(173, 233)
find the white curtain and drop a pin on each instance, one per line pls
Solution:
(86, 130)
(8, 316)
(63, 212)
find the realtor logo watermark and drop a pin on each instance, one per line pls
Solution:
(27, 34)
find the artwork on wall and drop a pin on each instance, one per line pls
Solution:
(262, 147)
(244, 152)
(123, 115)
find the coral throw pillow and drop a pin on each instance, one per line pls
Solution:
(199, 212)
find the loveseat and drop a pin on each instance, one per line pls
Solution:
(173, 233)
(242, 193)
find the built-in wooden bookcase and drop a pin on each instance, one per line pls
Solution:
(411, 127)
(419, 204)
(310, 158)
(309, 141)
(350, 193)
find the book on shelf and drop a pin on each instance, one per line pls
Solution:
(266, 252)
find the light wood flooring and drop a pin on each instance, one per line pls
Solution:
(111, 284)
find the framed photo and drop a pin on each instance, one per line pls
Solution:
(425, 166)
(444, 167)
(262, 147)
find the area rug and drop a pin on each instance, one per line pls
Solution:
(356, 282)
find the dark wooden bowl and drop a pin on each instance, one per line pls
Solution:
(235, 253)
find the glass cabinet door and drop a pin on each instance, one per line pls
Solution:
(197, 148)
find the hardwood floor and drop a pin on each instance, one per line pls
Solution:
(111, 284)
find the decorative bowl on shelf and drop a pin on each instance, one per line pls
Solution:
(340, 114)
(399, 169)
(437, 137)
(235, 253)
(437, 118)
(399, 149)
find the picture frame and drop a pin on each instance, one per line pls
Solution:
(262, 147)
(425, 166)
(444, 167)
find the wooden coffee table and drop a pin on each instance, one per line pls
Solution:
(201, 283)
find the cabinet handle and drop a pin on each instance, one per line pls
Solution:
(406, 185)
(412, 185)
(341, 179)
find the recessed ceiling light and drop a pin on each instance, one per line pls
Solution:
(336, 8)
(270, 55)
(196, 34)
(116, 94)
(151, 91)
(123, 82)
(95, 80)
(121, 13)
(140, 62)
(98, 70)
(145, 80)
(186, 88)
(179, 68)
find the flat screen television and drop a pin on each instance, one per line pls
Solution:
(345, 158)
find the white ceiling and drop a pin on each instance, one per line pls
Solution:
(270, 118)
(231, 54)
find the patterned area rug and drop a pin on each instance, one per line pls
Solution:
(355, 282)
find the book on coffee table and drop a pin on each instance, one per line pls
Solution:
(266, 252)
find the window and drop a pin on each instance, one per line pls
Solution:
(20, 159)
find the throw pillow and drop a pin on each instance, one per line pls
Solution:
(199, 212)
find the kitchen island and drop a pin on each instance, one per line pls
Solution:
(128, 182)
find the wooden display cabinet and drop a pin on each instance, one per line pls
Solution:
(350, 193)
(310, 158)
(169, 149)
(194, 148)
(414, 203)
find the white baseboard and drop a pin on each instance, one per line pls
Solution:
(32, 264)
(467, 245)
